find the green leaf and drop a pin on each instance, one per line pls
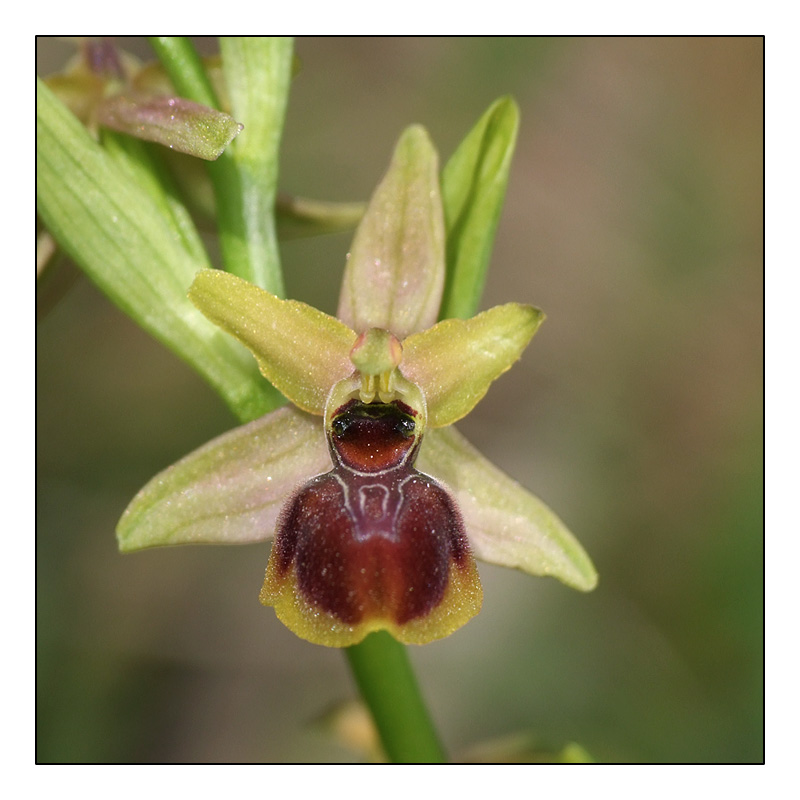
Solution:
(231, 490)
(112, 228)
(395, 271)
(302, 350)
(456, 360)
(174, 122)
(506, 525)
(473, 188)
(134, 156)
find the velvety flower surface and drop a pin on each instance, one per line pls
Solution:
(377, 507)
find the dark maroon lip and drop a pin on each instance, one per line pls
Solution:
(373, 534)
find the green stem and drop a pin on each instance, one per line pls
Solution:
(386, 681)
(185, 69)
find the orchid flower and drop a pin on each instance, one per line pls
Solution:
(377, 505)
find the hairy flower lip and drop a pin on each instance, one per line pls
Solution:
(373, 542)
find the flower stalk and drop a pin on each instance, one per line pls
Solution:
(385, 678)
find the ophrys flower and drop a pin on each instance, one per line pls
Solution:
(379, 507)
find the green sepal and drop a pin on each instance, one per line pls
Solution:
(113, 229)
(301, 350)
(473, 188)
(456, 360)
(505, 523)
(230, 490)
(395, 272)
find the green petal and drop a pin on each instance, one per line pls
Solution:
(455, 361)
(395, 271)
(473, 188)
(231, 490)
(300, 349)
(172, 121)
(506, 525)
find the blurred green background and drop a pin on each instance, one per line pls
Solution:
(634, 218)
